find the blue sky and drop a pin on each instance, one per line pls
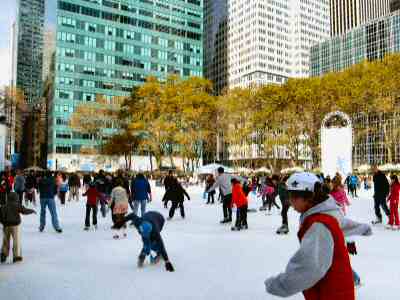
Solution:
(7, 17)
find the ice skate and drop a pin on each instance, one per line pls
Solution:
(3, 258)
(235, 228)
(284, 229)
(377, 222)
(86, 228)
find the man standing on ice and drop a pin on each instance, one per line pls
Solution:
(149, 227)
(381, 191)
(224, 183)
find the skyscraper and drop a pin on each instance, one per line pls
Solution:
(49, 49)
(105, 47)
(215, 43)
(269, 41)
(347, 14)
(29, 48)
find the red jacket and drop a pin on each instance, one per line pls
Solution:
(394, 193)
(92, 195)
(338, 283)
(238, 197)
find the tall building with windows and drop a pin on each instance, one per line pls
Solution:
(269, 41)
(215, 43)
(348, 14)
(49, 48)
(28, 49)
(105, 47)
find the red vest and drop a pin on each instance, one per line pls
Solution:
(338, 283)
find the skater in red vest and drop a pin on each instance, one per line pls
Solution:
(393, 199)
(321, 267)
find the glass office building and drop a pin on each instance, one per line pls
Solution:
(105, 47)
(370, 41)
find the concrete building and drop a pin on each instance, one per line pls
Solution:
(104, 48)
(49, 50)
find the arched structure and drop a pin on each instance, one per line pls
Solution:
(336, 144)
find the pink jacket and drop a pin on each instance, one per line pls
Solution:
(341, 198)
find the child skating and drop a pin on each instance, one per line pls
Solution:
(149, 227)
(321, 267)
(91, 205)
(239, 200)
(119, 204)
(393, 199)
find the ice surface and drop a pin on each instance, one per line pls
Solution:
(211, 261)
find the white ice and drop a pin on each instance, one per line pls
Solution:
(211, 261)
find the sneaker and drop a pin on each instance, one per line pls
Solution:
(59, 230)
(377, 221)
(17, 259)
(3, 258)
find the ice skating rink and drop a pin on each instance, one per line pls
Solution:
(211, 261)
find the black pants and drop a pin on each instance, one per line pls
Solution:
(241, 216)
(284, 213)
(210, 197)
(227, 207)
(174, 206)
(62, 197)
(271, 201)
(20, 196)
(381, 202)
(93, 209)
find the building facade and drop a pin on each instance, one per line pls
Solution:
(105, 47)
(215, 43)
(269, 41)
(49, 50)
(370, 41)
(348, 14)
(28, 50)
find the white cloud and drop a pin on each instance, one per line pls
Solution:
(5, 66)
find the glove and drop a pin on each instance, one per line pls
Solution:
(169, 267)
(351, 247)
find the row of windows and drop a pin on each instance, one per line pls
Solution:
(87, 11)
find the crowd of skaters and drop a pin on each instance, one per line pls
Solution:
(310, 195)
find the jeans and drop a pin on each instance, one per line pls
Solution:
(51, 204)
(154, 246)
(92, 208)
(20, 196)
(142, 204)
(381, 202)
(227, 207)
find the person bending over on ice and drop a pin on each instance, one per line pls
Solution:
(149, 227)
(321, 267)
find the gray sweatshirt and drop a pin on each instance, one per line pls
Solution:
(224, 183)
(314, 258)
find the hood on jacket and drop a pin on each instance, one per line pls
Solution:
(328, 207)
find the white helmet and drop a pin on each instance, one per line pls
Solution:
(303, 181)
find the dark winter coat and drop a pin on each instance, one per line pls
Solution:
(12, 210)
(381, 185)
(149, 227)
(47, 188)
(169, 182)
(176, 193)
(140, 188)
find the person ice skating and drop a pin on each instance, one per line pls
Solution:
(91, 205)
(140, 193)
(176, 193)
(239, 199)
(47, 191)
(269, 193)
(209, 183)
(381, 191)
(284, 197)
(223, 182)
(149, 227)
(74, 183)
(119, 202)
(11, 220)
(62, 188)
(30, 189)
(338, 193)
(168, 182)
(393, 199)
(321, 267)
(19, 185)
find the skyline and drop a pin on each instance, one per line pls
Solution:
(7, 17)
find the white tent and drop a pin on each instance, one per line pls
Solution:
(244, 170)
(263, 170)
(212, 169)
(292, 170)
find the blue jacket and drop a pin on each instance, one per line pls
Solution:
(150, 227)
(140, 189)
(47, 188)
